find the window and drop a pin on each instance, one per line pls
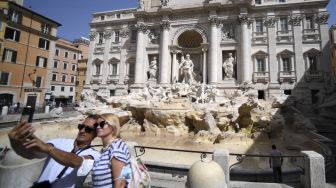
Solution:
(44, 44)
(55, 64)
(65, 65)
(63, 78)
(62, 88)
(286, 63)
(54, 77)
(102, 17)
(131, 69)
(4, 78)
(41, 61)
(38, 81)
(259, 26)
(112, 92)
(283, 24)
(101, 38)
(72, 79)
(77, 83)
(287, 92)
(12, 34)
(116, 37)
(258, 2)
(52, 88)
(84, 82)
(66, 54)
(133, 35)
(114, 69)
(45, 28)
(310, 22)
(14, 16)
(98, 66)
(118, 15)
(261, 65)
(57, 52)
(75, 56)
(282, 1)
(312, 63)
(9, 55)
(71, 89)
(73, 67)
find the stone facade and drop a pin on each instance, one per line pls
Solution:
(279, 46)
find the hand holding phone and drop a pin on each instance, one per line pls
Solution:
(27, 114)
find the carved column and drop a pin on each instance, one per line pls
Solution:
(245, 45)
(295, 20)
(139, 62)
(174, 67)
(90, 68)
(272, 61)
(322, 20)
(164, 55)
(107, 46)
(213, 59)
(204, 50)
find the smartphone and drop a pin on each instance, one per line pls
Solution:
(27, 114)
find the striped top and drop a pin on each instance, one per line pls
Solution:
(101, 171)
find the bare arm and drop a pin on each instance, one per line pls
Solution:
(116, 170)
(62, 157)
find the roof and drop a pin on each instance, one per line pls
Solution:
(35, 13)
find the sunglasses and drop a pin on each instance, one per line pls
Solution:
(87, 129)
(101, 124)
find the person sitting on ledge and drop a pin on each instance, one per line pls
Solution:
(64, 156)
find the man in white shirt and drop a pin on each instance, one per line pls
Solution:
(64, 156)
(276, 161)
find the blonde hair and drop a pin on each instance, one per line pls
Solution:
(113, 121)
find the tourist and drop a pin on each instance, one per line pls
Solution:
(113, 168)
(64, 156)
(276, 161)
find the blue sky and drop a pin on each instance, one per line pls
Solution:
(75, 15)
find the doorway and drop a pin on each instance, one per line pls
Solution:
(31, 101)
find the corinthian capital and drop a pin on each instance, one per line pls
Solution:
(270, 22)
(322, 18)
(165, 24)
(93, 36)
(214, 20)
(296, 20)
(141, 27)
(124, 33)
(108, 34)
(243, 19)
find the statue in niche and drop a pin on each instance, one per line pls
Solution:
(228, 67)
(187, 70)
(164, 3)
(154, 37)
(141, 4)
(153, 68)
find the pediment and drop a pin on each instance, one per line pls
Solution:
(313, 51)
(260, 53)
(97, 61)
(286, 52)
(114, 60)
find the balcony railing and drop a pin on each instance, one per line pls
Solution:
(314, 76)
(260, 77)
(284, 36)
(114, 78)
(259, 37)
(96, 78)
(287, 76)
(310, 34)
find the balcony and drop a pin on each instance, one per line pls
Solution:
(259, 37)
(113, 79)
(129, 79)
(314, 76)
(96, 79)
(261, 77)
(284, 36)
(287, 76)
(310, 35)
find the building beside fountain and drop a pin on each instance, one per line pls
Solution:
(273, 44)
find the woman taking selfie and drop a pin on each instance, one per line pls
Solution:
(113, 168)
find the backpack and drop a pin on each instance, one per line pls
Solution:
(140, 174)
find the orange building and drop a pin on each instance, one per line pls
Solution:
(83, 45)
(27, 56)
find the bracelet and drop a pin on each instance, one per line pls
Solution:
(50, 149)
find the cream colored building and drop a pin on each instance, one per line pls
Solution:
(27, 55)
(278, 45)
